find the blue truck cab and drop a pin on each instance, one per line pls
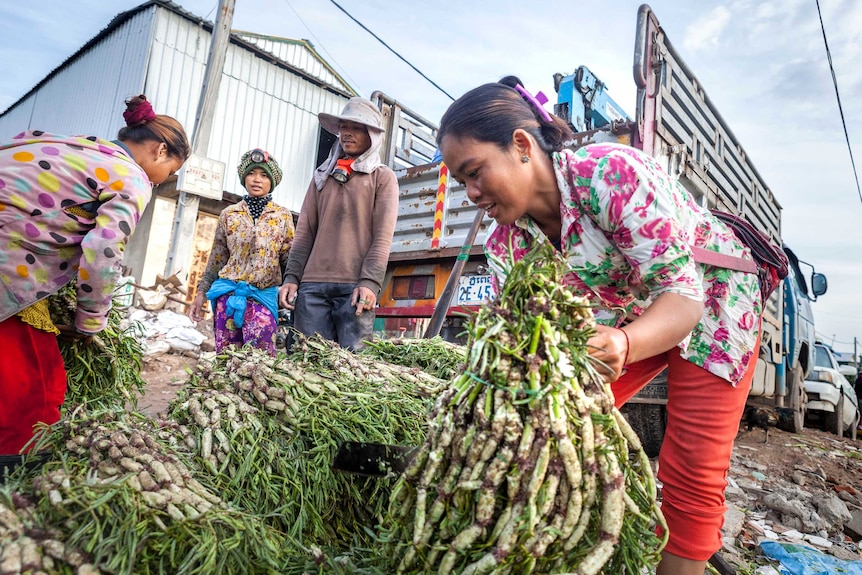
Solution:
(797, 360)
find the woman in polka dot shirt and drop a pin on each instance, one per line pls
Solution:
(67, 207)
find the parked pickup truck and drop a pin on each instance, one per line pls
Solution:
(832, 402)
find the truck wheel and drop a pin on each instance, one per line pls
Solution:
(797, 402)
(648, 421)
(834, 421)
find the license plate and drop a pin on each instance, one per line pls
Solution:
(475, 290)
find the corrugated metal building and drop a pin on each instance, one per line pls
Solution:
(270, 94)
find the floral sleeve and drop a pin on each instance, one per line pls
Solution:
(219, 255)
(635, 205)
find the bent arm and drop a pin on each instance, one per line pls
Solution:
(102, 250)
(664, 324)
(383, 228)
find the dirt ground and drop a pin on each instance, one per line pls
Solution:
(165, 375)
(812, 450)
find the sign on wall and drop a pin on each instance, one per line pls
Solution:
(203, 177)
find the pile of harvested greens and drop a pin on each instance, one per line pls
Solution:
(265, 430)
(435, 355)
(121, 501)
(527, 466)
(524, 464)
(236, 478)
(106, 371)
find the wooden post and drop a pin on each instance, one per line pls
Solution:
(182, 235)
(445, 299)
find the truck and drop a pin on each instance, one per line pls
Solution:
(677, 124)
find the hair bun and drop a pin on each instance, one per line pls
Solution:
(510, 81)
(138, 111)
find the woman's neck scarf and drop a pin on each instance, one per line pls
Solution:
(256, 205)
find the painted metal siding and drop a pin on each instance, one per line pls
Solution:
(260, 105)
(175, 70)
(163, 54)
(162, 51)
(17, 119)
(86, 95)
(297, 54)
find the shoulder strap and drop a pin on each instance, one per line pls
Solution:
(763, 250)
(726, 261)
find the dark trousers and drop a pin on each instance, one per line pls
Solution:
(325, 308)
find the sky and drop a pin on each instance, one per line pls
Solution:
(763, 63)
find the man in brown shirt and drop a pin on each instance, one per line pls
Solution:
(338, 257)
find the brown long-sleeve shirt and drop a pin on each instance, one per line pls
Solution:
(344, 232)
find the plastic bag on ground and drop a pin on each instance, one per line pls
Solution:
(153, 300)
(184, 338)
(802, 560)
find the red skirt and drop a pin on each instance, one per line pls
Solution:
(32, 382)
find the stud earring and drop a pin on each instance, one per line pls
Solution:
(525, 159)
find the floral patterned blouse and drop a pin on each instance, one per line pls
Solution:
(627, 232)
(249, 251)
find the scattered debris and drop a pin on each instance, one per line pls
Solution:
(798, 491)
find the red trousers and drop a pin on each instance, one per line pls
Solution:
(32, 382)
(703, 413)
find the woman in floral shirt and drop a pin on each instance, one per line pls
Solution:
(248, 258)
(627, 230)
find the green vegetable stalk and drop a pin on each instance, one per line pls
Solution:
(264, 432)
(527, 467)
(106, 372)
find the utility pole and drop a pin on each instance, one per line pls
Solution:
(182, 234)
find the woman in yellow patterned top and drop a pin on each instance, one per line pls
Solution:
(247, 260)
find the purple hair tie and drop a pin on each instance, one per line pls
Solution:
(537, 101)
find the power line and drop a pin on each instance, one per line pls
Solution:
(832, 339)
(321, 45)
(838, 97)
(364, 27)
(211, 11)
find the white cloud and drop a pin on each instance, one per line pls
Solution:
(706, 31)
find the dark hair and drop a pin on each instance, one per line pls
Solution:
(143, 125)
(491, 112)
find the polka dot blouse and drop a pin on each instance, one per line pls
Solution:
(67, 207)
